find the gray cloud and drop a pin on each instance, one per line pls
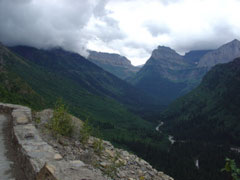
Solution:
(156, 28)
(139, 46)
(107, 24)
(221, 33)
(109, 30)
(44, 23)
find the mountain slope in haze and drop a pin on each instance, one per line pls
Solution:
(118, 65)
(168, 75)
(194, 56)
(210, 112)
(223, 54)
(165, 75)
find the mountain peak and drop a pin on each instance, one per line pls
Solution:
(163, 52)
(235, 40)
(163, 48)
(234, 43)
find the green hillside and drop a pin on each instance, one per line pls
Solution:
(87, 75)
(13, 89)
(90, 92)
(210, 112)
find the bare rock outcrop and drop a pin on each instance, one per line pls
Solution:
(223, 54)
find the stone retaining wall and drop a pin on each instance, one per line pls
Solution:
(38, 159)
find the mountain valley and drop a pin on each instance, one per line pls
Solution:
(202, 122)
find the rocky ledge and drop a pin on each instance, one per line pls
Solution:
(115, 163)
(44, 157)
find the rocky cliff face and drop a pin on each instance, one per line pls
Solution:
(224, 54)
(108, 58)
(165, 61)
(166, 58)
(114, 63)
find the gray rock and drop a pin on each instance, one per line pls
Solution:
(223, 54)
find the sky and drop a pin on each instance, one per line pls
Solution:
(132, 28)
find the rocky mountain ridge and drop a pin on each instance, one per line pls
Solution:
(111, 58)
(113, 63)
(223, 54)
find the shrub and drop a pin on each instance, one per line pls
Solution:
(61, 122)
(232, 168)
(112, 165)
(111, 169)
(85, 132)
(98, 146)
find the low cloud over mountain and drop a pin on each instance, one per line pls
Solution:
(131, 28)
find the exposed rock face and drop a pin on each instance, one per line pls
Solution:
(113, 63)
(107, 58)
(164, 60)
(224, 54)
(167, 57)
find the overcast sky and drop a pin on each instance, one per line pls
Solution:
(132, 28)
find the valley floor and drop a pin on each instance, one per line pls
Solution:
(170, 137)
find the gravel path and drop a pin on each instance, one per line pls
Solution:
(8, 169)
(5, 163)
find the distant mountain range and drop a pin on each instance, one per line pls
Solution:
(209, 113)
(116, 64)
(168, 75)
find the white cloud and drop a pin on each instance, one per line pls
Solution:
(130, 27)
